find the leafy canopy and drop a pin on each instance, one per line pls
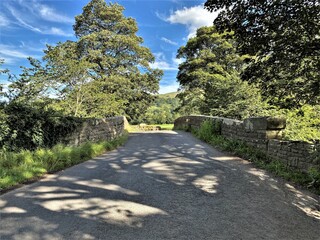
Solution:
(284, 37)
(211, 70)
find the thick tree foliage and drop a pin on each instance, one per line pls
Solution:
(212, 70)
(284, 37)
(105, 72)
(162, 111)
(120, 67)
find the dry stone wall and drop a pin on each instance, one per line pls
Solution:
(97, 130)
(265, 133)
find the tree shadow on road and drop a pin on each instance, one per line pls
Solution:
(164, 185)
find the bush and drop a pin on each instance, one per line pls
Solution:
(304, 123)
(207, 129)
(26, 127)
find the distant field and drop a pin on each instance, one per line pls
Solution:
(135, 128)
(168, 95)
(165, 126)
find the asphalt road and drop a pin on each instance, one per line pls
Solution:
(160, 185)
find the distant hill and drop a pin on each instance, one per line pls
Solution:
(168, 95)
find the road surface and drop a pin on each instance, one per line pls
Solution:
(160, 185)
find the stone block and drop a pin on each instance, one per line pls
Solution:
(264, 123)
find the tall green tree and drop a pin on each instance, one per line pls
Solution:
(120, 64)
(212, 70)
(284, 37)
(105, 72)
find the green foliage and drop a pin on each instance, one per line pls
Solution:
(210, 77)
(162, 110)
(303, 123)
(208, 129)
(314, 173)
(30, 86)
(70, 77)
(284, 38)
(26, 127)
(192, 100)
(170, 95)
(25, 165)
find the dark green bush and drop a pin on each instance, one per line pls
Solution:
(27, 127)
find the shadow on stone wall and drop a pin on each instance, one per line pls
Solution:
(265, 133)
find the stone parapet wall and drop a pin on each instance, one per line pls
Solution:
(97, 130)
(299, 154)
(265, 133)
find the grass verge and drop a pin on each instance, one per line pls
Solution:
(310, 179)
(21, 167)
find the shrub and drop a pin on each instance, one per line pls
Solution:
(28, 127)
(303, 123)
(207, 129)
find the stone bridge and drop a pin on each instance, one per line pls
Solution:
(160, 185)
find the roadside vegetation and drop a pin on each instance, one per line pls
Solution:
(208, 132)
(25, 165)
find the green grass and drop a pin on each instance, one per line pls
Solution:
(164, 126)
(16, 168)
(168, 95)
(310, 179)
(135, 128)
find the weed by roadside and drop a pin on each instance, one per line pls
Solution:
(16, 168)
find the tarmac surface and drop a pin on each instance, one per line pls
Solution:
(160, 185)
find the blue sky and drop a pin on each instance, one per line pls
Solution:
(26, 26)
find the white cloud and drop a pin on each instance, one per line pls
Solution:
(169, 41)
(162, 63)
(50, 14)
(12, 54)
(169, 88)
(43, 11)
(24, 17)
(57, 31)
(21, 22)
(8, 60)
(177, 61)
(193, 18)
(4, 21)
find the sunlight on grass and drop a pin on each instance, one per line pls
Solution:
(25, 165)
